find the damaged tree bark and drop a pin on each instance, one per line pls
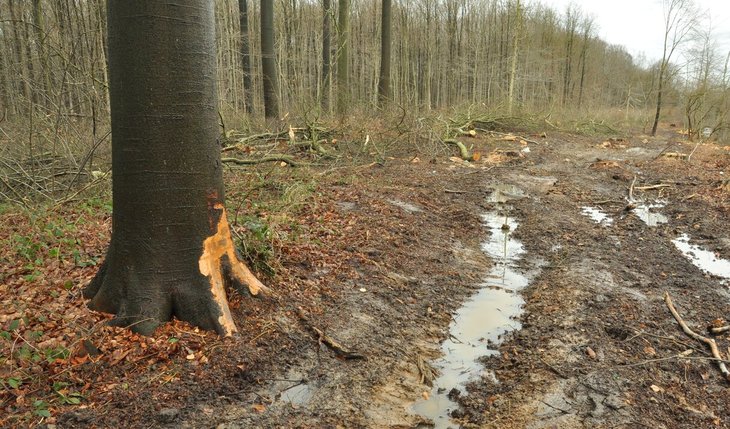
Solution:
(171, 252)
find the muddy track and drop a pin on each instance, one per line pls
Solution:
(596, 342)
(595, 345)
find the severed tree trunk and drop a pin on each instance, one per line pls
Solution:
(171, 252)
(245, 54)
(268, 60)
(385, 43)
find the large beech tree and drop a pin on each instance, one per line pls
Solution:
(171, 252)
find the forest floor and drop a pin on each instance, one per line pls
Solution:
(385, 259)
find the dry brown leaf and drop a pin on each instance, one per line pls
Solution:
(591, 354)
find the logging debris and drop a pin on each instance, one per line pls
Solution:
(692, 334)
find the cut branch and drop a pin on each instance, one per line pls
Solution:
(708, 341)
(340, 350)
(463, 151)
(271, 158)
(650, 187)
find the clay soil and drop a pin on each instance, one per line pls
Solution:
(379, 256)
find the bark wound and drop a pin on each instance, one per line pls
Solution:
(216, 249)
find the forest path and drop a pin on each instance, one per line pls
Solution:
(596, 348)
(386, 260)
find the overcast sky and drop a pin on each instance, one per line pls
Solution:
(638, 24)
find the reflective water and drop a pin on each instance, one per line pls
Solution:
(480, 322)
(597, 215)
(647, 213)
(703, 259)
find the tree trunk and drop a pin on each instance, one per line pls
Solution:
(658, 100)
(515, 52)
(268, 60)
(245, 55)
(385, 43)
(343, 56)
(171, 253)
(20, 60)
(326, 53)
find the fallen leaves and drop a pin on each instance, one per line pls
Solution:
(54, 352)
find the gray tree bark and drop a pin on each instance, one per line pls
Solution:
(343, 56)
(171, 253)
(245, 55)
(385, 43)
(326, 52)
(268, 61)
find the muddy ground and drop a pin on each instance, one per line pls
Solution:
(385, 254)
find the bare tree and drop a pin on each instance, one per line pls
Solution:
(326, 53)
(680, 17)
(245, 54)
(385, 42)
(343, 55)
(268, 60)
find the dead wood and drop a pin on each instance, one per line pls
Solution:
(340, 350)
(239, 143)
(463, 151)
(631, 190)
(425, 371)
(719, 329)
(517, 137)
(270, 158)
(651, 187)
(708, 341)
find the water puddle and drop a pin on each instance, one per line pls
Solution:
(485, 317)
(597, 215)
(646, 212)
(703, 259)
(502, 193)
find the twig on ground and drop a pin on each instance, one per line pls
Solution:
(340, 350)
(669, 144)
(651, 187)
(693, 150)
(631, 190)
(270, 158)
(598, 203)
(516, 136)
(719, 329)
(425, 371)
(708, 341)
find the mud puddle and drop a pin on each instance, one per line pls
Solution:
(481, 322)
(646, 211)
(597, 215)
(703, 259)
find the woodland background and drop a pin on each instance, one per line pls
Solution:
(468, 58)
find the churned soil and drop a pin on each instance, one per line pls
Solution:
(369, 268)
